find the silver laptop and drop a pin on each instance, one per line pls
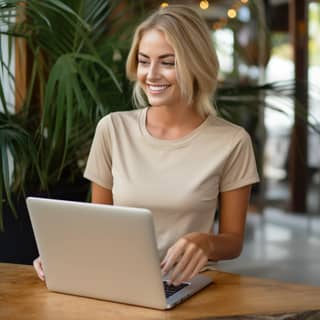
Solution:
(105, 252)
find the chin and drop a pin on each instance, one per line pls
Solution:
(157, 103)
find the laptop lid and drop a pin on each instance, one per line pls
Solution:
(101, 251)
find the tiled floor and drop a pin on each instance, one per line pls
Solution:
(280, 246)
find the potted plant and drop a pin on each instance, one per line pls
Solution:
(76, 75)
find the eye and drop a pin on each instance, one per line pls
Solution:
(143, 62)
(167, 63)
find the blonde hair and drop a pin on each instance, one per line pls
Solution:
(196, 60)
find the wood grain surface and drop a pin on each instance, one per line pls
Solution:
(24, 296)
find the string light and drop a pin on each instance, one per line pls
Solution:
(222, 22)
(204, 5)
(164, 4)
(232, 13)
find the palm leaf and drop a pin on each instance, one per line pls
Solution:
(72, 82)
(16, 144)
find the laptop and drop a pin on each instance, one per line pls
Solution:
(105, 252)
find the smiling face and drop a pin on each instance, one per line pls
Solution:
(156, 72)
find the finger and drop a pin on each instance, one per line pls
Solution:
(40, 272)
(199, 266)
(168, 264)
(163, 262)
(187, 257)
(186, 273)
(172, 258)
(166, 257)
(37, 264)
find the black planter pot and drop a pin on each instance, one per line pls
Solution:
(17, 242)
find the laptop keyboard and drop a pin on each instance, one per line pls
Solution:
(171, 289)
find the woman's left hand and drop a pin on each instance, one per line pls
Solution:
(187, 257)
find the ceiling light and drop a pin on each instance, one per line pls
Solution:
(232, 13)
(204, 5)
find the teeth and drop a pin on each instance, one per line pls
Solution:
(158, 87)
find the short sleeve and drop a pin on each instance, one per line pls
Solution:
(99, 163)
(240, 168)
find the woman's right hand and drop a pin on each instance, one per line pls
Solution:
(37, 264)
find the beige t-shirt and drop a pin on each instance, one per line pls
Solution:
(178, 180)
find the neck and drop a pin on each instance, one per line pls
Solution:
(169, 123)
(166, 117)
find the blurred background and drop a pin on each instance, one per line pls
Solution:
(62, 69)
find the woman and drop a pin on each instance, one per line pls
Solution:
(173, 155)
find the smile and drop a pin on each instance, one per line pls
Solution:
(157, 88)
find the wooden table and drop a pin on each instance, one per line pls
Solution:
(24, 296)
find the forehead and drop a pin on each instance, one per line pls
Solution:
(153, 42)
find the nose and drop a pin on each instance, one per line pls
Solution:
(153, 72)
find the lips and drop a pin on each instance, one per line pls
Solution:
(159, 88)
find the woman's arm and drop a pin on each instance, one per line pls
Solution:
(233, 210)
(100, 194)
(192, 252)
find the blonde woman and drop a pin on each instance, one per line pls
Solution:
(173, 155)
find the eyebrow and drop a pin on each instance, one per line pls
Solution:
(161, 57)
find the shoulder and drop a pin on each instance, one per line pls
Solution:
(226, 130)
(119, 117)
